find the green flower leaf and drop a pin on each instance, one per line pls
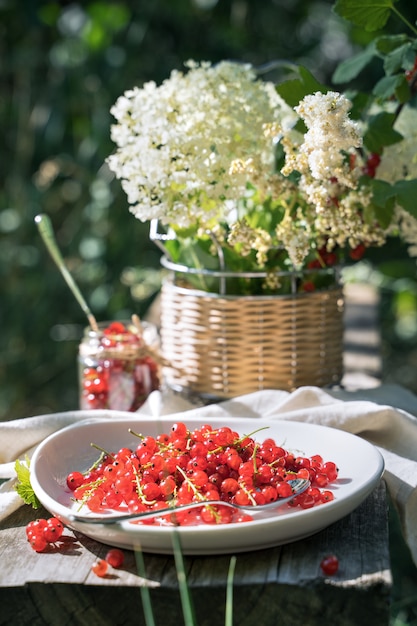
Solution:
(383, 201)
(406, 194)
(24, 487)
(390, 86)
(381, 133)
(351, 68)
(390, 43)
(368, 14)
(385, 196)
(294, 90)
(400, 58)
(403, 92)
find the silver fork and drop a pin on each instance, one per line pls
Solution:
(298, 485)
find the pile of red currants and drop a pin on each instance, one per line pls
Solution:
(41, 533)
(202, 465)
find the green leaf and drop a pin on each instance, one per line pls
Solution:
(381, 133)
(388, 86)
(399, 59)
(402, 192)
(24, 487)
(403, 91)
(368, 14)
(294, 90)
(383, 201)
(406, 194)
(352, 67)
(389, 43)
(360, 103)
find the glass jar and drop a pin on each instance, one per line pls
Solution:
(117, 366)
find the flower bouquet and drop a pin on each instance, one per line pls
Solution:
(247, 176)
(261, 190)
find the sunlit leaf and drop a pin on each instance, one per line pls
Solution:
(369, 14)
(24, 486)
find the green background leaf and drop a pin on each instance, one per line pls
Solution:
(380, 132)
(293, 91)
(369, 14)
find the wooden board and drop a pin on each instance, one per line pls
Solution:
(283, 585)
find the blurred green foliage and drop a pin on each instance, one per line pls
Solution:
(62, 66)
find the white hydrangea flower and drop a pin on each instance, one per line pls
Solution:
(330, 135)
(199, 153)
(295, 236)
(187, 149)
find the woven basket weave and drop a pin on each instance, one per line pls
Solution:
(225, 346)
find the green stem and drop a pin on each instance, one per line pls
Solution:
(45, 229)
(103, 451)
(144, 591)
(96, 463)
(197, 265)
(229, 593)
(404, 20)
(161, 446)
(186, 601)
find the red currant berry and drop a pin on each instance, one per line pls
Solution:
(330, 565)
(284, 489)
(115, 328)
(373, 160)
(100, 568)
(208, 515)
(307, 501)
(326, 496)
(229, 487)
(38, 543)
(53, 530)
(74, 480)
(357, 253)
(115, 557)
(308, 285)
(331, 470)
(178, 430)
(35, 527)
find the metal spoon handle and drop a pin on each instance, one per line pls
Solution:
(45, 229)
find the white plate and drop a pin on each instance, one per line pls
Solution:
(360, 469)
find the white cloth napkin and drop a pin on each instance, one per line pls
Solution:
(369, 414)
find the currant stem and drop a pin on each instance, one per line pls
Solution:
(96, 463)
(139, 490)
(161, 445)
(139, 435)
(103, 451)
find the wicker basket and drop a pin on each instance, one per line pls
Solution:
(223, 346)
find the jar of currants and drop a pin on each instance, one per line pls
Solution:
(118, 367)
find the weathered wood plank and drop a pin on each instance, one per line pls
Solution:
(281, 585)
